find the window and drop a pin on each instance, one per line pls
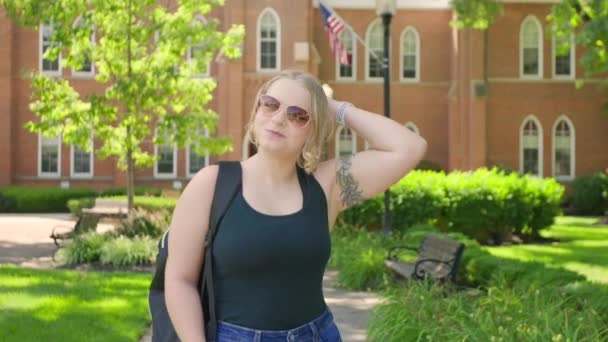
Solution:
(269, 41)
(81, 161)
(48, 66)
(531, 45)
(49, 155)
(194, 161)
(563, 149)
(530, 142)
(347, 72)
(164, 166)
(410, 52)
(563, 61)
(195, 52)
(346, 143)
(412, 127)
(87, 69)
(374, 40)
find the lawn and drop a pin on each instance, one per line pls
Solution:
(66, 305)
(583, 248)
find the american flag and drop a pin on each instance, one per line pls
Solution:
(333, 26)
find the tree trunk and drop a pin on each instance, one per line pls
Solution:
(130, 175)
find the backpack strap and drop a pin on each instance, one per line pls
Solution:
(227, 184)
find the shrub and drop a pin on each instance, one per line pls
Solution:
(142, 222)
(138, 191)
(427, 165)
(41, 200)
(84, 248)
(359, 255)
(590, 194)
(421, 311)
(486, 204)
(120, 251)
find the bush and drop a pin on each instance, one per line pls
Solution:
(590, 194)
(41, 200)
(138, 191)
(141, 222)
(143, 202)
(485, 204)
(359, 255)
(427, 165)
(84, 248)
(120, 251)
(421, 311)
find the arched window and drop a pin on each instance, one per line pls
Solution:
(530, 147)
(563, 148)
(347, 72)
(269, 41)
(410, 55)
(374, 41)
(531, 48)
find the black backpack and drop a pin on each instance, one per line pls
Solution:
(226, 186)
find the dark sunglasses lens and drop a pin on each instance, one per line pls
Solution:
(298, 116)
(269, 104)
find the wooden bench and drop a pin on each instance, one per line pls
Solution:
(89, 217)
(437, 257)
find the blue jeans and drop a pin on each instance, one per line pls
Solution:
(321, 329)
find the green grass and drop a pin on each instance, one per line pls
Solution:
(583, 248)
(66, 305)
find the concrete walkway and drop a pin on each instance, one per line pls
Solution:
(25, 241)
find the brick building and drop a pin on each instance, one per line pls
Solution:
(528, 117)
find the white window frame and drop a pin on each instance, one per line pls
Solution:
(49, 174)
(337, 142)
(164, 175)
(367, 52)
(75, 174)
(539, 27)
(188, 147)
(258, 47)
(534, 119)
(41, 52)
(85, 74)
(572, 60)
(412, 126)
(189, 52)
(402, 53)
(572, 174)
(353, 57)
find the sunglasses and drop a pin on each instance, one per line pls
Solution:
(297, 116)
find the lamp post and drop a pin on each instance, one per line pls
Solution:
(386, 9)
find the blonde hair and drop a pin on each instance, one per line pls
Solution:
(323, 126)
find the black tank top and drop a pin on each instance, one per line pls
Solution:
(268, 270)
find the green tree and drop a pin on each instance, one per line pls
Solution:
(588, 21)
(139, 55)
(479, 15)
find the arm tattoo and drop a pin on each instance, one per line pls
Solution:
(349, 187)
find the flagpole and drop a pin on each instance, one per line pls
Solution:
(351, 29)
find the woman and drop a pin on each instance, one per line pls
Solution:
(273, 244)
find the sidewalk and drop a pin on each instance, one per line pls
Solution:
(25, 241)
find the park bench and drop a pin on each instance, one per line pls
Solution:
(437, 258)
(89, 217)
